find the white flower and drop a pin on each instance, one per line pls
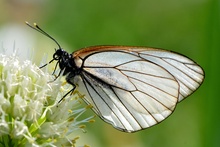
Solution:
(29, 111)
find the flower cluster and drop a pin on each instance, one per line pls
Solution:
(29, 111)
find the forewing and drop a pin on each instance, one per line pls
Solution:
(188, 74)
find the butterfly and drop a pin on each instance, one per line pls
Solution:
(131, 88)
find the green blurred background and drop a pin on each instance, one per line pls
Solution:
(190, 27)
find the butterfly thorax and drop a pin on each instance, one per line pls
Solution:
(65, 61)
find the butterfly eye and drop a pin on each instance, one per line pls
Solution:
(55, 56)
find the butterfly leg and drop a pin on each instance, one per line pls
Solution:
(71, 91)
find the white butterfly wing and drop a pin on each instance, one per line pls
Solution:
(136, 88)
(188, 74)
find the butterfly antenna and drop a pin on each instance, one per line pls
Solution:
(37, 28)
